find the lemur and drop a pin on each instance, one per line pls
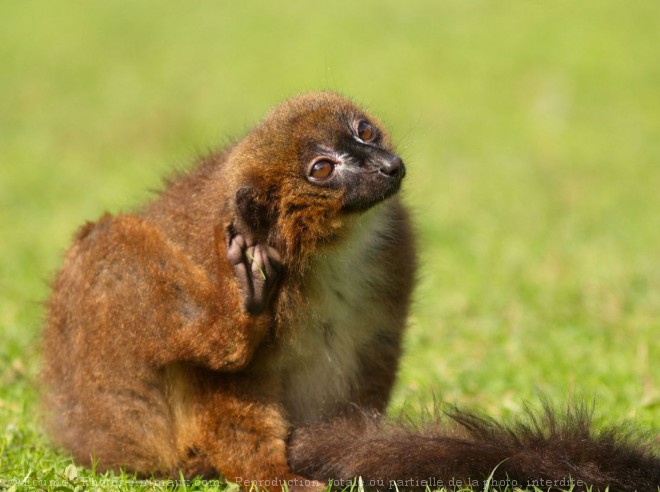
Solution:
(247, 324)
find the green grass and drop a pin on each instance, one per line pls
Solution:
(530, 130)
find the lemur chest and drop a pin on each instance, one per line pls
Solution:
(332, 329)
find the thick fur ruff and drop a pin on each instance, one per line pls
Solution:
(550, 449)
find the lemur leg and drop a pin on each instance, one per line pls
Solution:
(246, 442)
(126, 272)
(144, 310)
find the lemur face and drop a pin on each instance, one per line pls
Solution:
(354, 158)
(321, 160)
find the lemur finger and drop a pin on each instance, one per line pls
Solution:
(258, 263)
(271, 267)
(245, 283)
(259, 281)
(235, 250)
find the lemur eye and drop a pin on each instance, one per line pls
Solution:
(321, 169)
(365, 131)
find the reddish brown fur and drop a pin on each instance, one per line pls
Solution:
(156, 362)
(151, 361)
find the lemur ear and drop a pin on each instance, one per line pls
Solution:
(252, 207)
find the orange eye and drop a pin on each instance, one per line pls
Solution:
(321, 169)
(365, 131)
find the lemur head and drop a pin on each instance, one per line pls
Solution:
(312, 165)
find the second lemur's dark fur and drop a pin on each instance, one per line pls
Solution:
(247, 323)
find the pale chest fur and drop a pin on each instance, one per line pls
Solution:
(337, 321)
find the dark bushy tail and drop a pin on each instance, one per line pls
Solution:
(548, 449)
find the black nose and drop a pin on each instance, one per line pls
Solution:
(393, 167)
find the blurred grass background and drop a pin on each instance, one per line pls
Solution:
(531, 131)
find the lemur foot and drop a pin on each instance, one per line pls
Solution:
(258, 270)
